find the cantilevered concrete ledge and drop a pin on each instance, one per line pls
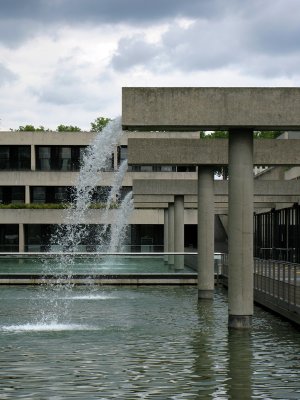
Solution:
(209, 152)
(210, 108)
(155, 193)
(190, 187)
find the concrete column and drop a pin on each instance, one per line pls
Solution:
(179, 231)
(21, 238)
(32, 158)
(240, 229)
(166, 248)
(27, 194)
(171, 233)
(205, 232)
(116, 158)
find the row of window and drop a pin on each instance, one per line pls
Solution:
(47, 158)
(69, 158)
(53, 194)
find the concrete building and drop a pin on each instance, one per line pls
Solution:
(39, 169)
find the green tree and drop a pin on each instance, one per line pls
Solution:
(68, 128)
(31, 128)
(267, 134)
(99, 124)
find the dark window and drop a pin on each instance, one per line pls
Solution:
(59, 158)
(38, 194)
(12, 194)
(9, 237)
(15, 158)
(50, 194)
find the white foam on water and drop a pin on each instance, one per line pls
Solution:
(92, 297)
(46, 327)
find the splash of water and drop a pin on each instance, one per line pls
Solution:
(104, 237)
(120, 224)
(70, 234)
(94, 162)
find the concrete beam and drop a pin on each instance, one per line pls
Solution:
(166, 188)
(209, 152)
(210, 108)
(52, 216)
(192, 201)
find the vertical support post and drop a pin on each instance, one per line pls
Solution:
(179, 231)
(205, 232)
(171, 234)
(27, 194)
(21, 238)
(240, 274)
(166, 238)
(116, 158)
(32, 158)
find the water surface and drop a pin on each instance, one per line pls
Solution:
(140, 343)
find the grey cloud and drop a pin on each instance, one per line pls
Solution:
(266, 44)
(199, 47)
(275, 30)
(107, 10)
(6, 75)
(21, 19)
(66, 87)
(133, 52)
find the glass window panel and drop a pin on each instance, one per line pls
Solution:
(44, 152)
(60, 194)
(17, 194)
(39, 194)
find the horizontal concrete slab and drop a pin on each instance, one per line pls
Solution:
(165, 187)
(55, 178)
(47, 138)
(52, 216)
(220, 208)
(193, 200)
(182, 108)
(209, 152)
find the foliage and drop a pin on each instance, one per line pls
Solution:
(68, 128)
(224, 134)
(31, 128)
(96, 126)
(267, 134)
(99, 124)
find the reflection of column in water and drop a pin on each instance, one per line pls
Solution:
(171, 234)
(166, 248)
(203, 370)
(240, 369)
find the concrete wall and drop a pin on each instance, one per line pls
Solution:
(47, 138)
(60, 178)
(209, 152)
(50, 216)
(210, 108)
(166, 188)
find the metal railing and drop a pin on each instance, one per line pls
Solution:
(279, 282)
(275, 281)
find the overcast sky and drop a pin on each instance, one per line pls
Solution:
(65, 61)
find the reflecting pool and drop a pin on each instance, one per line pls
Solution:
(85, 264)
(141, 343)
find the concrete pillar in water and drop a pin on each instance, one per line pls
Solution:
(240, 229)
(166, 248)
(179, 231)
(171, 233)
(205, 232)
(21, 238)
